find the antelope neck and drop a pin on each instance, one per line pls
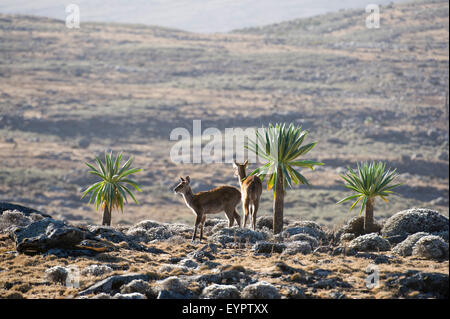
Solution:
(188, 196)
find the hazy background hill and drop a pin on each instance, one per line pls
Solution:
(190, 15)
(66, 95)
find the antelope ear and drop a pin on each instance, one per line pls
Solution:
(235, 164)
(188, 179)
(246, 162)
(182, 179)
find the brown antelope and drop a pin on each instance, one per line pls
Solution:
(222, 198)
(251, 189)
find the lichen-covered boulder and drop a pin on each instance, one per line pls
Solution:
(305, 227)
(297, 247)
(355, 228)
(96, 270)
(431, 247)
(216, 291)
(260, 290)
(398, 227)
(265, 247)
(369, 242)
(45, 234)
(238, 235)
(57, 274)
(405, 248)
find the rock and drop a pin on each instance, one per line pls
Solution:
(172, 283)
(434, 284)
(216, 291)
(330, 283)
(211, 248)
(347, 237)
(134, 295)
(4, 206)
(297, 247)
(323, 249)
(112, 283)
(47, 233)
(295, 293)
(204, 253)
(207, 279)
(11, 219)
(398, 227)
(260, 290)
(172, 288)
(369, 242)
(57, 274)
(354, 228)
(305, 227)
(382, 259)
(305, 237)
(189, 263)
(238, 235)
(96, 270)
(235, 275)
(116, 236)
(264, 221)
(405, 248)
(431, 247)
(14, 295)
(99, 296)
(264, 247)
(343, 250)
(137, 285)
(95, 245)
(337, 295)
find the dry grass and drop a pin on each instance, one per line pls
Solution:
(25, 274)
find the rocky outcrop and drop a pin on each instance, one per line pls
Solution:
(45, 234)
(24, 210)
(429, 285)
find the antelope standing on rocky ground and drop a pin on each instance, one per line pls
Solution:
(251, 189)
(223, 198)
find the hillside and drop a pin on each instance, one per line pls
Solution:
(190, 15)
(66, 95)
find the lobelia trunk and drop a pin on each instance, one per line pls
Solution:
(106, 216)
(278, 205)
(368, 216)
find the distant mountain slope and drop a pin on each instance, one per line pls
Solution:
(411, 23)
(66, 95)
(191, 15)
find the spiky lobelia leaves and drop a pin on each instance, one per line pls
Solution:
(371, 180)
(113, 187)
(281, 146)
